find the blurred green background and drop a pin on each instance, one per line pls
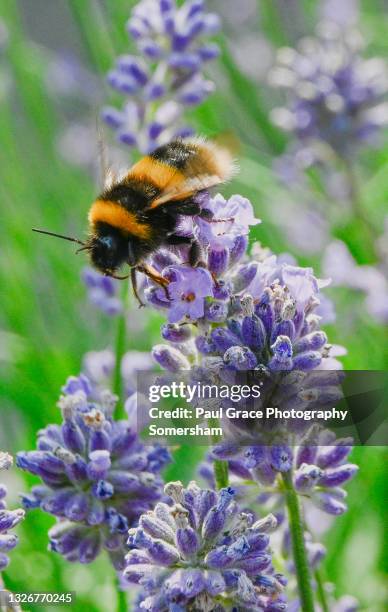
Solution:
(46, 322)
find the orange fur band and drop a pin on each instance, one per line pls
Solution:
(112, 213)
(159, 173)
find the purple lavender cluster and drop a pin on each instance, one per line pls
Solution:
(203, 292)
(200, 552)
(257, 315)
(335, 96)
(319, 467)
(98, 478)
(260, 313)
(167, 75)
(8, 518)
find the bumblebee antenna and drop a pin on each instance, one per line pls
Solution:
(69, 238)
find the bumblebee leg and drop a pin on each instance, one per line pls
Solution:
(195, 251)
(208, 216)
(196, 255)
(175, 240)
(154, 276)
(190, 208)
(182, 207)
(134, 287)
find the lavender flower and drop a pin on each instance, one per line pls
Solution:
(266, 308)
(335, 96)
(102, 292)
(319, 467)
(8, 518)
(336, 105)
(98, 478)
(166, 76)
(194, 294)
(187, 289)
(202, 553)
(319, 471)
(261, 317)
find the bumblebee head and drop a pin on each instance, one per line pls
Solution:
(107, 247)
(108, 251)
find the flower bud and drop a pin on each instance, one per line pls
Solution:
(216, 312)
(240, 358)
(335, 477)
(312, 342)
(307, 361)
(223, 339)
(253, 333)
(218, 260)
(176, 333)
(170, 358)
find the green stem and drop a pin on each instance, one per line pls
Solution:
(298, 545)
(321, 592)
(221, 473)
(221, 468)
(122, 605)
(120, 345)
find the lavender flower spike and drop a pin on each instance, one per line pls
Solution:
(202, 553)
(98, 478)
(167, 74)
(320, 468)
(335, 96)
(102, 292)
(8, 518)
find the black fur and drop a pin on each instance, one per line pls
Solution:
(174, 154)
(109, 248)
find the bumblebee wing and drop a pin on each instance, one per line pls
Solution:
(186, 190)
(184, 167)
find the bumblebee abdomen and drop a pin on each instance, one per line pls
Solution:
(174, 154)
(182, 168)
(160, 173)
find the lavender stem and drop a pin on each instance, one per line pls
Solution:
(221, 468)
(298, 545)
(122, 605)
(119, 352)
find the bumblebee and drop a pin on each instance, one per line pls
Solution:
(141, 213)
